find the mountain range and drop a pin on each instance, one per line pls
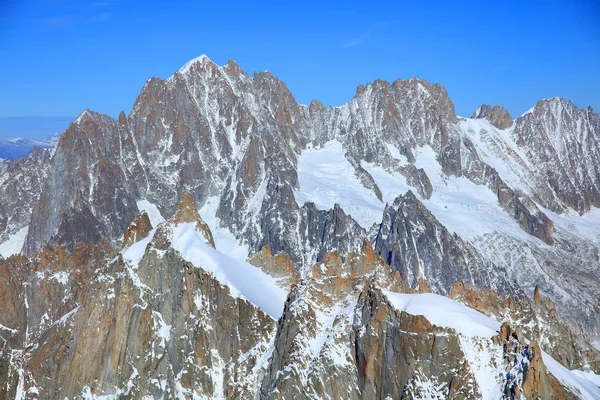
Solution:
(224, 241)
(15, 148)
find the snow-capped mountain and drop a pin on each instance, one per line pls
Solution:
(19, 147)
(224, 241)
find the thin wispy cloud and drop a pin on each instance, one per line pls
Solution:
(101, 4)
(101, 17)
(357, 41)
(364, 36)
(352, 42)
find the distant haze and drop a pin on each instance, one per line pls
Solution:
(37, 128)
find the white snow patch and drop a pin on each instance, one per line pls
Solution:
(163, 331)
(61, 277)
(243, 280)
(189, 64)
(225, 241)
(590, 376)
(135, 252)
(66, 317)
(396, 153)
(484, 357)
(326, 177)
(14, 243)
(152, 211)
(443, 311)
(581, 385)
(463, 207)
(586, 226)
(13, 331)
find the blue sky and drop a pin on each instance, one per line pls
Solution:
(59, 57)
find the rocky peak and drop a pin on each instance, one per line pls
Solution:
(196, 64)
(139, 229)
(562, 140)
(187, 212)
(316, 106)
(412, 241)
(496, 115)
(232, 68)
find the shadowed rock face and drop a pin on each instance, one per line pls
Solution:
(411, 240)
(162, 327)
(21, 183)
(88, 195)
(497, 116)
(215, 132)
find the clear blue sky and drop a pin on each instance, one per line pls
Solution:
(59, 57)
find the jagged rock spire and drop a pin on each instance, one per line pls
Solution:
(187, 212)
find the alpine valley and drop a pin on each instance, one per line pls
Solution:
(223, 241)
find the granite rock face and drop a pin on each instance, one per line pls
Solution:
(496, 115)
(232, 144)
(412, 241)
(562, 141)
(139, 229)
(21, 183)
(150, 323)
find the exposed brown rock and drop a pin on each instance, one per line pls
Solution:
(139, 229)
(279, 266)
(497, 116)
(187, 212)
(537, 298)
(526, 373)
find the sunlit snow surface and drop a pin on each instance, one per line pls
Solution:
(448, 313)
(14, 244)
(152, 211)
(225, 241)
(243, 280)
(443, 311)
(326, 177)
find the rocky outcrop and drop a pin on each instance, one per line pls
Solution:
(279, 266)
(88, 195)
(496, 115)
(535, 319)
(380, 333)
(529, 217)
(21, 183)
(561, 140)
(527, 375)
(139, 229)
(187, 212)
(160, 327)
(412, 241)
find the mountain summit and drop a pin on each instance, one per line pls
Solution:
(224, 241)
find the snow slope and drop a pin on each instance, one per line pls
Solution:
(443, 311)
(448, 313)
(326, 177)
(152, 211)
(14, 244)
(243, 280)
(225, 241)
